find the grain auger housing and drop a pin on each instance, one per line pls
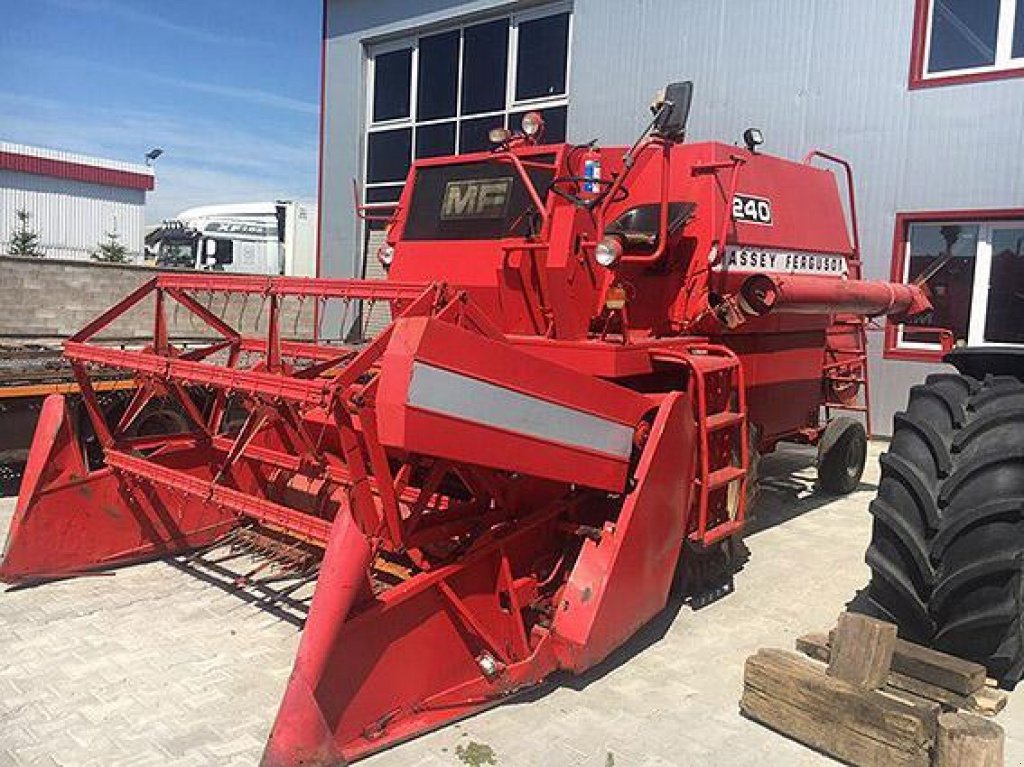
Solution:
(587, 346)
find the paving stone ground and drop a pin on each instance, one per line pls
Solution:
(156, 666)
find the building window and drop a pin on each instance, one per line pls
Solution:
(958, 41)
(972, 266)
(441, 93)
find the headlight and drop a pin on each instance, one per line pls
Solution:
(499, 135)
(386, 254)
(533, 124)
(608, 252)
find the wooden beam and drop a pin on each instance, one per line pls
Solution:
(861, 652)
(938, 668)
(793, 695)
(986, 701)
(964, 739)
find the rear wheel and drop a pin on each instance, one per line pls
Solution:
(842, 452)
(947, 545)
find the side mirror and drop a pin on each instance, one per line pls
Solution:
(672, 111)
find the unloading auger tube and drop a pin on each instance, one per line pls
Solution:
(501, 483)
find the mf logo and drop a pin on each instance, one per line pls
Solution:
(476, 198)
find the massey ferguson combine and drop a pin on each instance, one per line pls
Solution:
(588, 347)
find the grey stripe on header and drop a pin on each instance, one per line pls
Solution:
(441, 391)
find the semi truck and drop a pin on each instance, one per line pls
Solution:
(276, 238)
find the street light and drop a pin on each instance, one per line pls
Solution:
(152, 154)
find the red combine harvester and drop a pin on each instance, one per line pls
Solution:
(588, 346)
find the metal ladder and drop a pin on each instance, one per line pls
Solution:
(847, 366)
(718, 384)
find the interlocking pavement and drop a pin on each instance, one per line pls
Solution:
(160, 664)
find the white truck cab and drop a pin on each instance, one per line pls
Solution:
(242, 238)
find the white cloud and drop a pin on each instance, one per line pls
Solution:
(256, 96)
(205, 161)
(152, 21)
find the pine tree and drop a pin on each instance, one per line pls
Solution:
(24, 242)
(112, 251)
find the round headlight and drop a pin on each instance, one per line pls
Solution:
(533, 124)
(386, 255)
(608, 252)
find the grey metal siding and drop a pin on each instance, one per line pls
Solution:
(811, 73)
(72, 218)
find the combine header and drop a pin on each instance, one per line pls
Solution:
(588, 346)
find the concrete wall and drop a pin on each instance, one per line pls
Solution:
(46, 300)
(831, 74)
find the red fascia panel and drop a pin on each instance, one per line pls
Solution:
(90, 174)
(917, 63)
(892, 351)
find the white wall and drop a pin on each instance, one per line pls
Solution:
(71, 217)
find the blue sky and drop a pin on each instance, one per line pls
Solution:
(230, 90)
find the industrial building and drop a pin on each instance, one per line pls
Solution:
(75, 202)
(923, 97)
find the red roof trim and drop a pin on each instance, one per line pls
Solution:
(90, 174)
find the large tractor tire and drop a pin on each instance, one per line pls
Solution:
(947, 547)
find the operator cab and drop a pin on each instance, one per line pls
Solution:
(638, 226)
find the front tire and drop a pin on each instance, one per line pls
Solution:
(947, 545)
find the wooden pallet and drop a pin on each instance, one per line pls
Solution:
(865, 697)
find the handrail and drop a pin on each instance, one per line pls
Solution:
(663, 208)
(850, 193)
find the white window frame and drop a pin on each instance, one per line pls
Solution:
(411, 41)
(1004, 45)
(980, 289)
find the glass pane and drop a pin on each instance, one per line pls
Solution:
(473, 133)
(554, 124)
(1004, 322)
(542, 57)
(946, 253)
(438, 78)
(484, 65)
(1018, 31)
(391, 85)
(383, 193)
(435, 140)
(388, 156)
(963, 34)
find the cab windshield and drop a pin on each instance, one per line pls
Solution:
(176, 254)
(482, 200)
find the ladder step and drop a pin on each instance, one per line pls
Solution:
(725, 420)
(722, 477)
(717, 533)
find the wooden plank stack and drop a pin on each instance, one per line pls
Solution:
(864, 696)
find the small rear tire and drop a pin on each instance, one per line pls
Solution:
(842, 453)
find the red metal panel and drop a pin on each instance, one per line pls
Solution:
(621, 581)
(406, 424)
